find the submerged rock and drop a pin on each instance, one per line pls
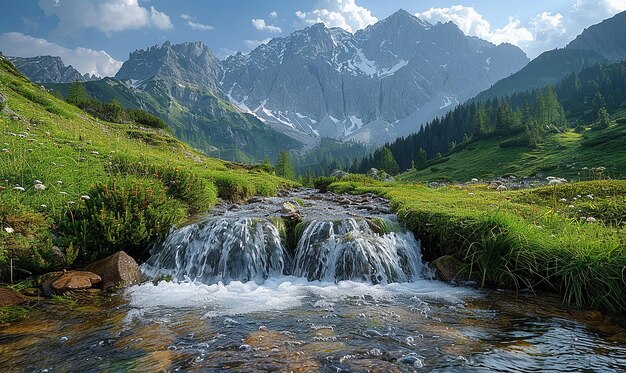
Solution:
(448, 268)
(117, 270)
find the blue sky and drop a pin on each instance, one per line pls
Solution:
(96, 36)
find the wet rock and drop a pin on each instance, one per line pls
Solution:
(45, 281)
(288, 208)
(10, 297)
(75, 280)
(117, 270)
(59, 253)
(448, 268)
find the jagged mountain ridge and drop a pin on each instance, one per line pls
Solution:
(374, 85)
(48, 69)
(607, 38)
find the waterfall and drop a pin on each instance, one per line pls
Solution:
(220, 249)
(349, 249)
(250, 249)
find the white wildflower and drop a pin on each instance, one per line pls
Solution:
(95, 152)
(19, 189)
(43, 206)
(563, 200)
(63, 193)
(38, 182)
(59, 182)
(590, 196)
(85, 197)
(591, 219)
(571, 206)
(40, 187)
(5, 150)
(9, 230)
(501, 188)
(474, 180)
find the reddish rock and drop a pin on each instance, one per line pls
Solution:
(10, 297)
(117, 270)
(75, 280)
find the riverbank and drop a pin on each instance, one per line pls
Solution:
(568, 238)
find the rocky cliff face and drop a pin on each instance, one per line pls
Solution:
(180, 83)
(48, 69)
(374, 85)
(607, 38)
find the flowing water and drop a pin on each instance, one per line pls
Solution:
(343, 291)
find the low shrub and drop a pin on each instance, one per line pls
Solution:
(127, 214)
(233, 188)
(515, 142)
(323, 182)
(186, 186)
(25, 237)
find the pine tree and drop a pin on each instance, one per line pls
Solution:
(284, 167)
(388, 162)
(77, 94)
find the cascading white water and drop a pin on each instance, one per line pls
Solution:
(220, 249)
(349, 249)
(250, 249)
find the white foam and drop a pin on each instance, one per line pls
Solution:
(281, 293)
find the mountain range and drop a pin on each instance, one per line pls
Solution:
(600, 43)
(49, 69)
(371, 86)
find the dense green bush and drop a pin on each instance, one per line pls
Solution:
(25, 238)
(234, 188)
(184, 185)
(126, 214)
(145, 118)
(323, 182)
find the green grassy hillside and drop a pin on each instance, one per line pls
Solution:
(197, 117)
(89, 187)
(570, 154)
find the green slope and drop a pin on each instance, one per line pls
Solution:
(198, 117)
(564, 155)
(49, 142)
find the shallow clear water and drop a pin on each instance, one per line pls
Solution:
(280, 322)
(289, 324)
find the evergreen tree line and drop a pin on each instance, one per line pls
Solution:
(328, 156)
(579, 98)
(112, 111)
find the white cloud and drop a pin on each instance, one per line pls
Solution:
(473, 23)
(547, 26)
(513, 32)
(191, 22)
(466, 18)
(251, 44)
(273, 14)
(199, 26)
(261, 25)
(105, 15)
(339, 13)
(82, 59)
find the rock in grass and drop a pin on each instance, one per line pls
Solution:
(10, 297)
(117, 270)
(75, 280)
(448, 268)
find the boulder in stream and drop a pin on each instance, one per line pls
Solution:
(117, 270)
(448, 268)
(75, 280)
